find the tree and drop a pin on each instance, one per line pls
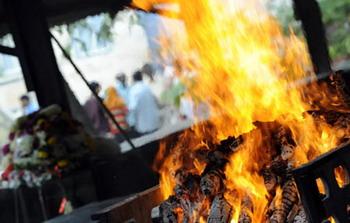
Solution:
(336, 18)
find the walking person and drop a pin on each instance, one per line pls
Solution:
(143, 107)
(95, 111)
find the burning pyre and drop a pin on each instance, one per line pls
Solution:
(266, 119)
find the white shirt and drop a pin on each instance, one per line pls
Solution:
(143, 108)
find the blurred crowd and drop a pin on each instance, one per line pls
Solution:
(140, 106)
(137, 108)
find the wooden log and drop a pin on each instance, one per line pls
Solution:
(293, 213)
(286, 142)
(270, 180)
(216, 160)
(329, 116)
(244, 217)
(279, 166)
(229, 145)
(288, 200)
(246, 211)
(171, 210)
(187, 183)
(211, 183)
(300, 217)
(220, 211)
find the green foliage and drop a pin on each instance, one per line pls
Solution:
(335, 15)
(104, 35)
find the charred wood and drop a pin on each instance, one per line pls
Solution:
(187, 184)
(170, 210)
(300, 217)
(270, 180)
(286, 142)
(211, 182)
(289, 198)
(331, 117)
(341, 89)
(279, 166)
(246, 210)
(229, 145)
(293, 213)
(220, 211)
(216, 160)
(218, 157)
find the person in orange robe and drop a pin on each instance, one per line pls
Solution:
(116, 105)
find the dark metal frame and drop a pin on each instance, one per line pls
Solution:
(320, 207)
(30, 31)
(309, 13)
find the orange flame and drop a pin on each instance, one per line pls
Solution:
(245, 69)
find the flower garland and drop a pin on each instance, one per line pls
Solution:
(43, 145)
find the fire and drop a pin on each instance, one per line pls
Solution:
(246, 72)
(242, 175)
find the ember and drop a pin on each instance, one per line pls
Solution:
(236, 166)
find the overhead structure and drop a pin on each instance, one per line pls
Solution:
(28, 21)
(29, 29)
(309, 13)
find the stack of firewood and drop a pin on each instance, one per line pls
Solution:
(201, 196)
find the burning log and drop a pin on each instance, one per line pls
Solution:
(288, 199)
(279, 167)
(187, 200)
(178, 209)
(331, 117)
(300, 217)
(244, 217)
(293, 213)
(170, 210)
(343, 121)
(218, 158)
(187, 183)
(220, 211)
(286, 142)
(341, 89)
(203, 194)
(229, 145)
(212, 182)
(246, 210)
(270, 180)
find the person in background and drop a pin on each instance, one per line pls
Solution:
(143, 107)
(122, 87)
(147, 69)
(27, 105)
(95, 111)
(119, 110)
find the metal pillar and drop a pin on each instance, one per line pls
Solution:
(30, 31)
(308, 11)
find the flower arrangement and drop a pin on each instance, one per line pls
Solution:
(43, 145)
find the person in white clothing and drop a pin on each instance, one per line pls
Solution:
(143, 106)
